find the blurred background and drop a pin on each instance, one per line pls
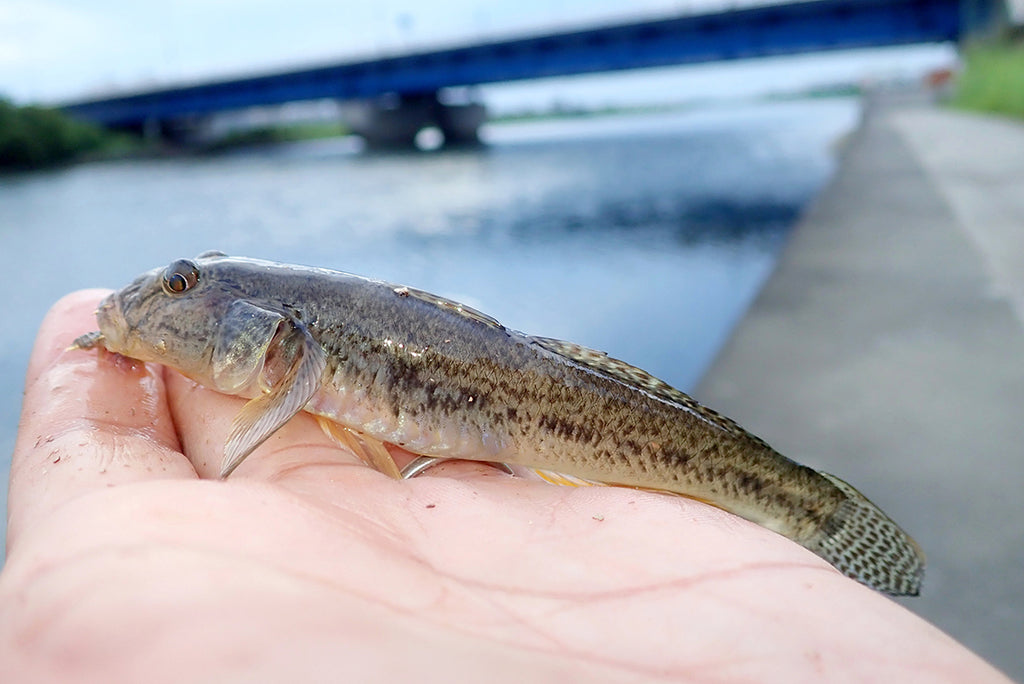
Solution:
(621, 174)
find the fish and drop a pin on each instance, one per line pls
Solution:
(378, 363)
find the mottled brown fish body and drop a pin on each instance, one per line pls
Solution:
(407, 367)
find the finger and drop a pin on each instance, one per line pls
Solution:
(90, 419)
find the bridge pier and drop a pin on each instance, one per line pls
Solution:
(395, 121)
(183, 132)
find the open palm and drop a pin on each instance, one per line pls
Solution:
(129, 561)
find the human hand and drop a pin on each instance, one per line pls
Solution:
(129, 561)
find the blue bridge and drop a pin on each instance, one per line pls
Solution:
(411, 82)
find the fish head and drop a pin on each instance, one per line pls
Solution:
(190, 316)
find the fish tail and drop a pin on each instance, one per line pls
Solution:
(863, 543)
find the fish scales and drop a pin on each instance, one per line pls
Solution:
(566, 416)
(438, 378)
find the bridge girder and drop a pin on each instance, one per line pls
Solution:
(769, 30)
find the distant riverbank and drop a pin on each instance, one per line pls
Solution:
(34, 137)
(37, 137)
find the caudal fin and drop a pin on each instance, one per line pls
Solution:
(863, 543)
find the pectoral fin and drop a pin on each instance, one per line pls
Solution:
(292, 373)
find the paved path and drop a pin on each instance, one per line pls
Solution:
(888, 348)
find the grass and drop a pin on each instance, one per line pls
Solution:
(271, 135)
(993, 78)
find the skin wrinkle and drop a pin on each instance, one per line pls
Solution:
(554, 647)
(87, 428)
(636, 590)
(357, 522)
(545, 638)
(286, 466)
(589, 655)
(629, 592)
(454, 580)
(287, 472)
(767, 615)
(40, 571)
(537, 626)
(122, 552)
(59, 450)
(60, 447)
(460, 580)
(369, 529)
(463, 582)
(55, 380)
(500, 619)
(709, 670)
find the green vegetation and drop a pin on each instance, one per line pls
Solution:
(993, 78)
(35, 137)
(270, 135)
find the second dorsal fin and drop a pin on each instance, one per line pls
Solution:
(599, 362)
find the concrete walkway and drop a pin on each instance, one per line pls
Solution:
(888, 348)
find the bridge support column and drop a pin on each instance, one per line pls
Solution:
(191, 131)
(394, 122)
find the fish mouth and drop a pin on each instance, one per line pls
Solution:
(112, 323)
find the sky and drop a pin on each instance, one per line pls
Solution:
(59, 50)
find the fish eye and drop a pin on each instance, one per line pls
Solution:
(180, 276)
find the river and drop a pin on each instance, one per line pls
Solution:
(646, 236)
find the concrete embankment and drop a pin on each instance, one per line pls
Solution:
(888, 348)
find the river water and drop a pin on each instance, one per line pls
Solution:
(646, 236)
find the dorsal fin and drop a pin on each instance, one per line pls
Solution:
(599, 362)
(449, 305)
